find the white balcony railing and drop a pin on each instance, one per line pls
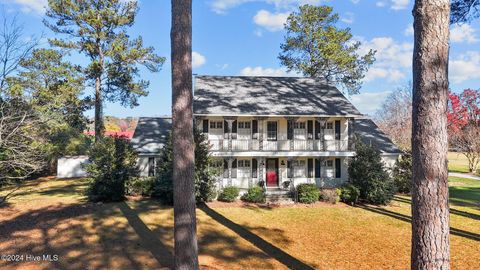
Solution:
(279, 145)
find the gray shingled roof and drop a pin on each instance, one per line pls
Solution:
(238, 95)
(151, 134)
(371, 134)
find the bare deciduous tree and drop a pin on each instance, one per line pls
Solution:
(20, 145)
(430, 211)
(395, 117)
(13, 48)
(186, 250)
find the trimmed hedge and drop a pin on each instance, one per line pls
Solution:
(349, 194)
(254, 195)
(330, 195)
(308, 193)
(141, 186)
(229, 194)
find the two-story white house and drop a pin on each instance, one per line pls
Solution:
(281, 131)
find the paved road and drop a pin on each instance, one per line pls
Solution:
(464, 175)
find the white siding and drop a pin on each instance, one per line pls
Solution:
(71, 166)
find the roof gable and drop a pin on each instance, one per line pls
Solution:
(151, 134)
(371, 134)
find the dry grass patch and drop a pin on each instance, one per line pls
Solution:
(54, 218)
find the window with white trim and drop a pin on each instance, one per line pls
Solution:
(244, 125)
(299, 125)
(329, 163)
(329, 125)
(216, 124)
(299, 169)
(243, 163)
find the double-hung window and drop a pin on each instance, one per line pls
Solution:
(216, 124)
(271, 131)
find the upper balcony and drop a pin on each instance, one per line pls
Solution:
(224, 145)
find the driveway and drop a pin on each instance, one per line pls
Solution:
(464, 175)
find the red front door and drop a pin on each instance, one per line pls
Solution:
(272, 173)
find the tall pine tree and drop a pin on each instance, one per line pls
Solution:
(98, 29)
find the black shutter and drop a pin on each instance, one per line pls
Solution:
(338, 171)
(310, 167)
(234, 129)
(309, 129)
(225, 126)
(234, 168)
(337, 130)
(254, 168)
(289, 130)
(234, 126)
(254, 128)
(317, 168)
(289, 169)
(225, 168)
(205, 126)
(317, 130)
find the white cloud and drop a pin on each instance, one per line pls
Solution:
(29, 6)
(393, 59)
(368, 102)
(409, 30)
(463, 33)
(394, 4)
(270, 21)
(260, 71)
(400, 4)
(355, 1)
(348, 17)
(465, 67)
(198, 60)
(222, 6)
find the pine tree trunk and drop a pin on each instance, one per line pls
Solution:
(99, 127)
(186, 251)
(430, 212)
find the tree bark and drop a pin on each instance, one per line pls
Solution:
(99, 127)
(185, 235)
(430, 212)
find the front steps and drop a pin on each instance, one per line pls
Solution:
(278, 195)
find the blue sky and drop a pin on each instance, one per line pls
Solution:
(243, 37)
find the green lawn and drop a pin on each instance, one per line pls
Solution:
(464, 191)
(51, 216)
(457, 162)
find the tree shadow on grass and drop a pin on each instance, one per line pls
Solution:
(452, 210)
(160, 251)
(213, 241)
(402, 217)
(271, 250)
(84, 236)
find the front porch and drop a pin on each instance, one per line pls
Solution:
(282, 173)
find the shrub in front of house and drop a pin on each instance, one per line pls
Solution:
(349, 194)
(113, 163)
(367, 172)
(254, 195)
(229, 194)
(307, 193)
(205, 174)
(330, 195)
(402, 173)
(140, 186)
